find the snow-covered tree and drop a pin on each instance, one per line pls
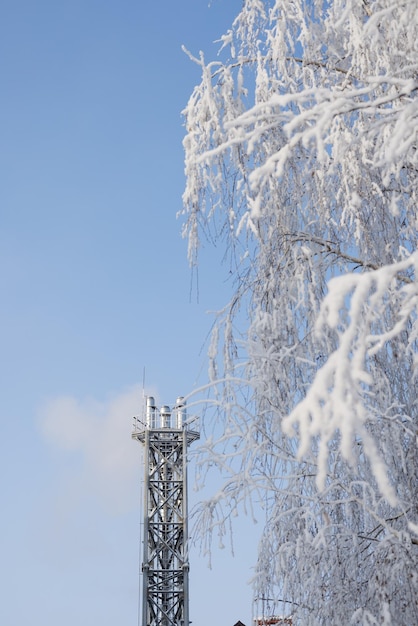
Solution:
(301, 160)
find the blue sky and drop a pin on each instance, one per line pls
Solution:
(95, 287)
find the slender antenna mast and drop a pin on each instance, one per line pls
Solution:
(165, 436)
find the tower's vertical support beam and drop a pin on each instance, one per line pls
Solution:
(165, 566)
(185, 533)
(145, 567)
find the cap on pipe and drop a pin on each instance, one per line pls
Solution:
(165, 414)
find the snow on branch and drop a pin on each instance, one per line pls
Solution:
(337, 401)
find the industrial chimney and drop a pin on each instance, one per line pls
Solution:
(165, 435)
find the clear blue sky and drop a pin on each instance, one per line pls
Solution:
(95, 287)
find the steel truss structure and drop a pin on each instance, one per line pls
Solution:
(165, 565)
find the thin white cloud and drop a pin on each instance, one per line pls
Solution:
(97, 455)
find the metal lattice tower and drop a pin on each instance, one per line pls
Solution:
(165, 565)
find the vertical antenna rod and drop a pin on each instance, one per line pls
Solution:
(165, 564)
